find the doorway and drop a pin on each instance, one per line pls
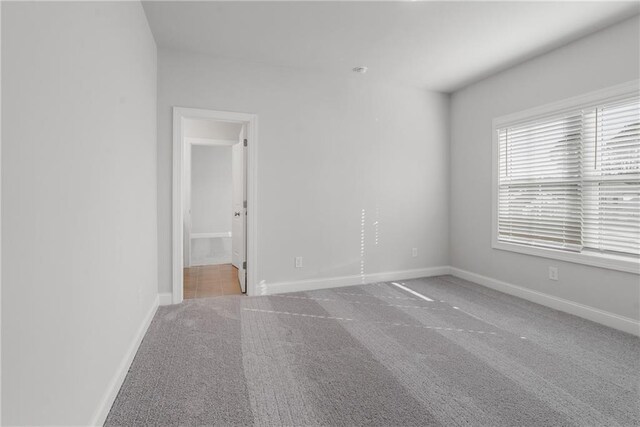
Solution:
(214, 188)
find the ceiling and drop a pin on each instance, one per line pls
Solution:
(440, 46)
(212, 129)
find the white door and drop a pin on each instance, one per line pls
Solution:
(239, 223)
(186, 208)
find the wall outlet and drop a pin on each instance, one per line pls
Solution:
(553, 273)
(298, 262)
(414, 252)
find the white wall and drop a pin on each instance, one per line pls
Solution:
(211, 189)
(79, 226)
(606, 58)
(329, 147)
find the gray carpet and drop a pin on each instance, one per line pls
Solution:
(378, 355)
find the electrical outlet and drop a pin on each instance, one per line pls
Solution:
(553, 273)
(298, 262)
(414, 252)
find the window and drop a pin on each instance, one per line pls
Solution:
(567, 180)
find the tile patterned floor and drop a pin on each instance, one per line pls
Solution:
(211, 281)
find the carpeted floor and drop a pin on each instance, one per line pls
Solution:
(378, 355)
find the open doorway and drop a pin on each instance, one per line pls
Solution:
(213, 190)
(214, 220)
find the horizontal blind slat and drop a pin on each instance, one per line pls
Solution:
(572, 180)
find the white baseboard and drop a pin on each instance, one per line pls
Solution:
(335, 282)
(606, 318)
(216, 262)
(165, 298)
(210, 235)
(101, 413)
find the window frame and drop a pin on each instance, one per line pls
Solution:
(592, 258)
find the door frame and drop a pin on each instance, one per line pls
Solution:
(179, 187)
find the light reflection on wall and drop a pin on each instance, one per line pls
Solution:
(362, 241)
(377, 225)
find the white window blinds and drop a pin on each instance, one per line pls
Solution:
(611, 185)
(571, 180)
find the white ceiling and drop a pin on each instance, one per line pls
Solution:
(436, 45)
(211, 129)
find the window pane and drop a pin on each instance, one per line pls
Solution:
(612, 183)
(539, 196)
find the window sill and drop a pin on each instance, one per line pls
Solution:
(611, 262)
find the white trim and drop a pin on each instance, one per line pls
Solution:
(205, 263)
(103, 409)
(211, 142)
(210, 235)
(336, 282)
(612, 262)
(606, 318)
(179, 114)
(594, 259)
(165, 298)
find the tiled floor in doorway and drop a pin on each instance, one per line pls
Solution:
(211, 281)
